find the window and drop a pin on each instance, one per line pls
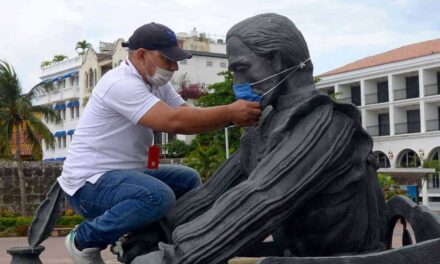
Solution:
(382, 159)
(382, 92)
(408, 159)
(209, 63)
(63, 114)
(384, 124)
(59, 142)
(77, 111)
(356, 95)
(412, 87)
(72, 113)
(64, 141)
(413, 119)
(223, 64)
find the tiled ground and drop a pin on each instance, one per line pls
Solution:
(55, 252)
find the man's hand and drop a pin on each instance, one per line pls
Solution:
(244, 113)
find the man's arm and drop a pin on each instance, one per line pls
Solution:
(192, 120)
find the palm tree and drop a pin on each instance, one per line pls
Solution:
(18, 115)
(83, 46)
(59, 57)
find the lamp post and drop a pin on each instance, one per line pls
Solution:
(227, 142)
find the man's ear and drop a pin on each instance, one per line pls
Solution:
(275, 60)
(139, 54)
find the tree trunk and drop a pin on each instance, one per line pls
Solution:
(20, 170)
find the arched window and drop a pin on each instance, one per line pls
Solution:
(408, 159)
(435, 154)
(87, 80)
(382, 159)
(91, 79)
(434, 159)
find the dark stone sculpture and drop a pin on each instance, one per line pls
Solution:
(46, 216)
(306, 174)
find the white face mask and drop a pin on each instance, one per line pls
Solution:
(160, 77)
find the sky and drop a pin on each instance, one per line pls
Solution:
(337, 31)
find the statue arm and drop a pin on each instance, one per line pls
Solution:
(198, 201)
(290, 175)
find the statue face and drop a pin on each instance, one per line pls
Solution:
(248, 67)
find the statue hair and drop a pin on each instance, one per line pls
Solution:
(265, 34)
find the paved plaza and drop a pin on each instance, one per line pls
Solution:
(56, 253)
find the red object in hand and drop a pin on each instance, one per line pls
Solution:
(153, 157)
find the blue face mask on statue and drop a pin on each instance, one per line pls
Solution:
(243, 91)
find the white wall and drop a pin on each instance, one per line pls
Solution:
(198, 72)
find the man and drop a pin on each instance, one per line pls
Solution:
(305, 174)
(104, 175)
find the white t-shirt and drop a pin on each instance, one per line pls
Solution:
(108, 136)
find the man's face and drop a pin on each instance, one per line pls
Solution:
(153, 58)
(249, 67)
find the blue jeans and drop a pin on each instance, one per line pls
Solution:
(124, 201)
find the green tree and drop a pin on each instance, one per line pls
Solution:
(209, 148)
(177, 148)
(45, 63)
(17, 114)
(206, 158)
(388, 185)
(82, 46)
(59, 57)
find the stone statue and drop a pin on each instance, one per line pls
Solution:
(306, 174)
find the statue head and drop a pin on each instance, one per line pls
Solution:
(265, 45)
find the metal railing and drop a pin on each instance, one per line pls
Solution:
(400, 94)
(432, 89)
(407, 127)
(432, 125)
(371, 98)
(346, 100)
(378, 130)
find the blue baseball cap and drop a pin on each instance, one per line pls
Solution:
(154, 36)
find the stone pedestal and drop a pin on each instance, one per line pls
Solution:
(26, 255)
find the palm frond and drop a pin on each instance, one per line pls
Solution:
(40, 89)
(33, 138)
(10, 88)
(37, 129)
(6, 136)
(48, 111)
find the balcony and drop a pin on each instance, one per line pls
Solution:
(432, 89)
(378, 130)
(371, 98)
(407, 127)
(432, 125)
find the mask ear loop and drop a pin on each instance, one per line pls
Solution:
(294, 69)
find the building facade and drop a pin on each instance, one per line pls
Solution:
(75, 78)
(398, 95)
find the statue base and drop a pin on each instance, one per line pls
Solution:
(26, 255)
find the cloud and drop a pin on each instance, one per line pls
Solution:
(337, 32)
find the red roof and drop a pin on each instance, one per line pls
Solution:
(400, 54)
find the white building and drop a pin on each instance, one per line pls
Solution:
(75, 79)
(398, 94)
